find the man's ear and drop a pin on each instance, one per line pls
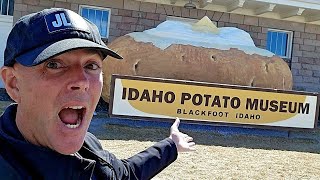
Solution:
(10, 81)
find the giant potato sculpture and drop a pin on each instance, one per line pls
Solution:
(198, 52)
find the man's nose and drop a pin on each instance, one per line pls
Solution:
(78, 80)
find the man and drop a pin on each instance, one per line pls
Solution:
(52, 70)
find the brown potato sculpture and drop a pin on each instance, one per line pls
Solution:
(188, 62)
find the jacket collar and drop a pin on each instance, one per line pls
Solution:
(42, 160)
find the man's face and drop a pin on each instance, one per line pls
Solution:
(56, 99)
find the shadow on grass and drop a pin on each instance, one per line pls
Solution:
(121, 132)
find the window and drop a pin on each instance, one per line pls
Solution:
(6, 7)
(279, 42)
(99, 16)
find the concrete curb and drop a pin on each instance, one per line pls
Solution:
(98, 122)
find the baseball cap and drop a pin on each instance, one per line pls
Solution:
(39, 36)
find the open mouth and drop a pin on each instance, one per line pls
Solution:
(72, 116)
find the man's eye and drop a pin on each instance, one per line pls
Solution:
(54, 65)
(92, 66)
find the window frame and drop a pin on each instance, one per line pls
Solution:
(8, 7)
(102, 9)
(289, 42)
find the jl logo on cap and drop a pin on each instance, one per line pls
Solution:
(60, 20)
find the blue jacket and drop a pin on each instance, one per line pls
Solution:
(22, 160)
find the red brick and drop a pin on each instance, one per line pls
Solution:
(210, 14)
(250, 20)
(253, 35)
(194, 13)
(177, 11)
(217, 16)
(124, 32)
(133, 27)
(31, 2)
(308, 36)
(20, 7)
(114, 32)
(244, 27)
(168, 10)
(185, 12)
(152, 16)
(66, 5)
(201, 13)
(139, 14)
(162, 17)
(146, 22)
(124, 26)
(114, 11)
(221, 24)
(160, 9)
(156, 23)
(296, 34)
(113, 25)
(312, 28)
(236, 18)
(130, 20)
(123, 12)
(32, 9)
(45, 3)
(111, 38)
(307, 48)
(280, 24)
(256, 29)
(225, 17)
(116, 18)
(140, 28)
(148, 7)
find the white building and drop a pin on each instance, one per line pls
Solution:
(6, 21)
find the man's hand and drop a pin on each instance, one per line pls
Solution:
(183, 142)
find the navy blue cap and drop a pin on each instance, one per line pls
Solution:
(39, 36)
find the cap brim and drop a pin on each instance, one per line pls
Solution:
(40, 54)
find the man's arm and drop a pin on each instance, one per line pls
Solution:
(143, 165)
(7, 171)
(151, 161)
(147, 163)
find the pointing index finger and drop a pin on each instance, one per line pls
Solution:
(176, 123)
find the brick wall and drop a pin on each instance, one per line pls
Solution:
(130, 16)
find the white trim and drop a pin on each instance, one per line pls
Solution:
(307, 4)
(94, 7)
(102, 9)
(289, 41)
(6, 18)
(307, 11)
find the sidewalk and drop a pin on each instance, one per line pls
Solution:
(302, 134)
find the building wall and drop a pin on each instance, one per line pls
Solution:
(129, 16)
